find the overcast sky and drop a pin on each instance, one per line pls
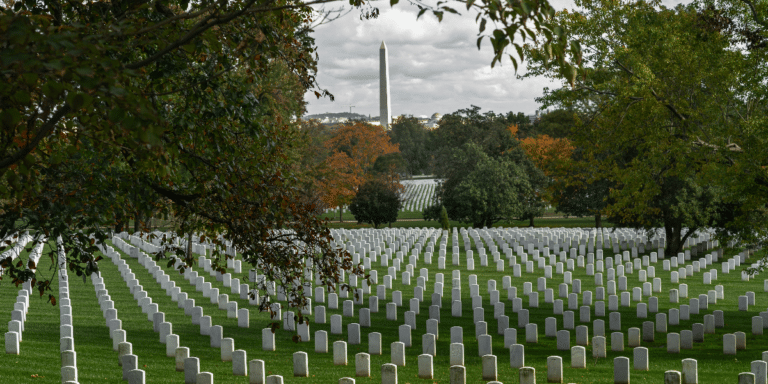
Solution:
(433, 67)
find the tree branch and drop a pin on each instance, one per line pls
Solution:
(211, 21)
(181, 16)
(198, 29)
(751, 6)
(42, 133)
(213, 76)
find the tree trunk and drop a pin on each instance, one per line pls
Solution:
(530, 221)
(136, 223)
(675, 238)
(598, 220)
(341, 214)
(119, 223)
(189, 245)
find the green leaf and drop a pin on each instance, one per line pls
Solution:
(451, 10)
(393, 2)
(53, 89)
(10, 117)
(116, 115)
(482, 25)
(75, 100)
(84, 71)
(520, 52)
(29, 78)
(526, 7)
(559, 31)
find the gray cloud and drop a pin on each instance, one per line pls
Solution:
(433, 67)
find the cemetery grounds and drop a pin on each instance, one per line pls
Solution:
(40, 359)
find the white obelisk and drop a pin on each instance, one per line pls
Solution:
(385, 112)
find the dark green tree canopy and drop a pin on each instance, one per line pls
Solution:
(481, 189)
(489, 131)
(183, 109)
(671, 113)
(413, 138)
(376, 202)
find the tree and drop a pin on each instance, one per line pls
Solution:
(534, 199)
(389, 166)
(523, 124)
(543, 152)
(557, 124)
(432, 212)
(491, 132)
(493, 135)
(576, 194)
(113, 129)
(481, 189)
(667, 107)
(194, 103)
(444, 219)
(413, 140)
(376, 202)
(354, 150)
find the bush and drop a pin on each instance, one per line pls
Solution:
(375, 203)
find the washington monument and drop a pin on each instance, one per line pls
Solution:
(385, 111)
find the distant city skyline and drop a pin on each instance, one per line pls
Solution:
(433, 67)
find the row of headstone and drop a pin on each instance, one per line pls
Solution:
(181, 354)
(417, 196)
(19, 241)
(16, 326)
(69, 373)
(67, 345)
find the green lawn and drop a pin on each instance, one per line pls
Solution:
(98, 363)
(574, 222)
(348, 216)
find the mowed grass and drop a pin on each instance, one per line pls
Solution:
(39, 361)
(97, 362)
(348, 216)
(574, 222)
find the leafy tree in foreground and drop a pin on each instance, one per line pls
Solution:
(116, 126)
(193, 103)
(671, 112)
(376, 202)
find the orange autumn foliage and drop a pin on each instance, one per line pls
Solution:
(546, 152)
(353, 150)
(513, 130)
